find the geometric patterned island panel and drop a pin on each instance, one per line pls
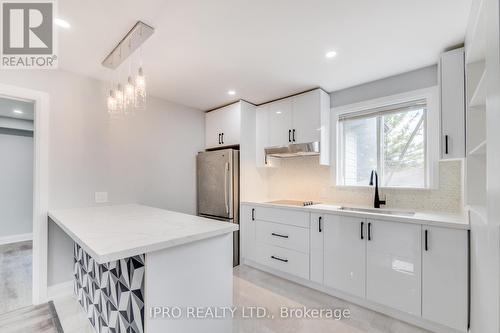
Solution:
(112, 294)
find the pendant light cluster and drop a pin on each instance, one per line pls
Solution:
(129, 97)
(128, 94)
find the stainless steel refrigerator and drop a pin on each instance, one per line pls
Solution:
(218, 189)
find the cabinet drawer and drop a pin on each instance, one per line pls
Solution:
(288, 261)
(282, 235)
(285, 216)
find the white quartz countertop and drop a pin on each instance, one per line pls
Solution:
(447, 220)
(114, 232)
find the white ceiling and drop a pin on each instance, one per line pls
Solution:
(7, 107)
(262, 49)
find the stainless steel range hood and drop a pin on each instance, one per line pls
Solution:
(293, 150)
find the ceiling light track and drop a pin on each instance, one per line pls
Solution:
(136, 36)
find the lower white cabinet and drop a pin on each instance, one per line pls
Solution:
(317, 247)
(417, 269)
(445, 277)
(345, 254)
(247, 231)
(282, 235)
(285, 260)
(393, 265)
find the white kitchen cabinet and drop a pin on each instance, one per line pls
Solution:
(222, 126)
(452, 82)
(317, 249)
(280, 122)
(306, 120)
(445, 277)
(303, 118)
(393, 265)
(248, 231)
(261, 134)
(345, 254)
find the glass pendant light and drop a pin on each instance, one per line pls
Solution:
(119, 98)
(140, 90)
(111, 102)
(129, 96)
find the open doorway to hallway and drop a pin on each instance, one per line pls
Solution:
(16, 203)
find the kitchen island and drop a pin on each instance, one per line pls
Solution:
(140, 269)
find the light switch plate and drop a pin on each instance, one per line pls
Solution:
(101, 197)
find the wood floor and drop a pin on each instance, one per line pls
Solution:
(40, 319)
(15, 276)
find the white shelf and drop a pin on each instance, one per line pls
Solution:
(480, 149)
(479, 96)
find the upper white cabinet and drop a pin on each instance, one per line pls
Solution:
(302, 118)
(222, 126)
(345, 254)
(445, 277)
(393, 265)
(280, 123)
(452, 82)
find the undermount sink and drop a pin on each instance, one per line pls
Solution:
(378, 211)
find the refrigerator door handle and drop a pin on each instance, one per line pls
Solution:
(226, 173)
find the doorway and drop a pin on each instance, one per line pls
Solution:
(16, 203)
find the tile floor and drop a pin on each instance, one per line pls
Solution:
(15, 276)
(251, 288)
(256, 288)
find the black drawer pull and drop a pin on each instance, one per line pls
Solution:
(319, 225)
(446, 144)
(293, 135)
(362, 230)
(280, 259)
(369, 231)
(253, 214)
(426, 244)
(222, 138)
(289, 135)
(278, 235)
(219, 139)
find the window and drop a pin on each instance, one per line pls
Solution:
(389, 139)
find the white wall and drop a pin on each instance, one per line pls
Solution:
(16, 177)
(84, 144)
(152, 156)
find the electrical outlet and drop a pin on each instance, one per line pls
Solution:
(101, 197)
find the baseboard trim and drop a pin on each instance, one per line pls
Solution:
(15, 238)
(60, 289)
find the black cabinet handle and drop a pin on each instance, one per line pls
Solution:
(446, 144)
(369, 231)
(222, 138)
(219, 139)
(289, 135)
(278, 235)
(362, 230)
(293, 135)
(426, 237)
(278, 258)
(319, 224)
(253, 214)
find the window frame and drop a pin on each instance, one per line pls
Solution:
(431, 123)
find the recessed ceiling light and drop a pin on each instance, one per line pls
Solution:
(231, 92)
(18, 111)
(330, 54)
(62, 23)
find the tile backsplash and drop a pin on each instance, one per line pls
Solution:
(305, 179)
